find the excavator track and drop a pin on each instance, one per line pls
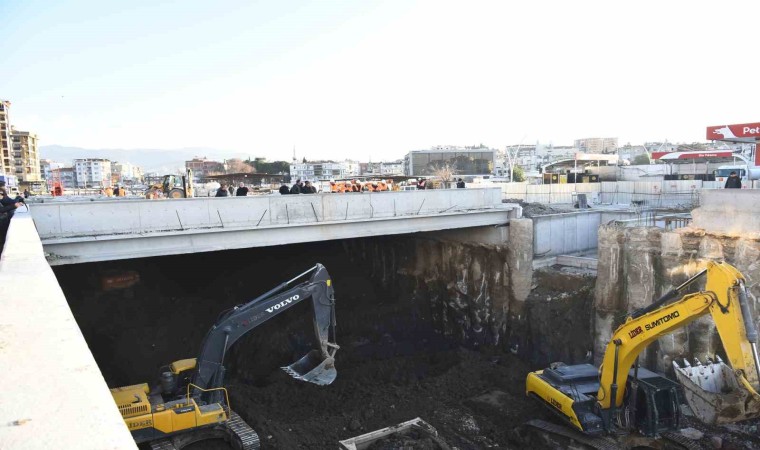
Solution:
(599, 443)
(682, 441)
(240, 435)
(248, 438)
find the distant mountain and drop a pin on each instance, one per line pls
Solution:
(151, 160)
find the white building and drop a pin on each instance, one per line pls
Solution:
(392, 168)
(47, 166)
(92, 172)
(126, 172)
(324, 170)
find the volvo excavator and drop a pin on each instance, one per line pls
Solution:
(190, 403)
(620, 398)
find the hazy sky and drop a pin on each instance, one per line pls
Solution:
(375, 78)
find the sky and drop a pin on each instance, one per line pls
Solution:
(372, 79)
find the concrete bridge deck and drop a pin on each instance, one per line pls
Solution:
(77, 232)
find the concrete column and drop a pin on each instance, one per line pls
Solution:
(520, 261)
(608, 299)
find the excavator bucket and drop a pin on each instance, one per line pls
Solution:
(313, 368)
(715, 393)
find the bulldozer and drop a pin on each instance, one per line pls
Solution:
(618, 398)
(189, 403)
(173, 186)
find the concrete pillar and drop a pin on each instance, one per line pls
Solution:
(608, 298)
(520, 261)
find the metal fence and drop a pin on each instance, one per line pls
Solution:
(655, 218)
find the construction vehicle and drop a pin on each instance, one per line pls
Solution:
(620, 397)
(173, 186)
(190, 403)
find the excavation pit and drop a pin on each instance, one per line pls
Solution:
(394, 363)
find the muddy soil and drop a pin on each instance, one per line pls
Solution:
(537, 209)
(393, 366)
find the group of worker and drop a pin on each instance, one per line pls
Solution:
(341, 187)
(115, 191)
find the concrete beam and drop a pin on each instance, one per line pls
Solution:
(126, 246)
(53, 393)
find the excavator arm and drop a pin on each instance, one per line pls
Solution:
(724, 298)
(316, 367)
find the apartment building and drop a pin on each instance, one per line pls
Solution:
(126, 173)
(464, 160)
(26, 157)
(597, 145)
(7, 166)
(92, 172)
(324, 170)
(203, 167)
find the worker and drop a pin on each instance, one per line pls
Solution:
(733, 181)
(422, 184)
(116, 191)
(356, 186)
(222, 191)
(308, 188)
(108, 191)
(296, 188)
(381, 186)
(460, 184)
(284, 189)
(333, 187)
(242, 191)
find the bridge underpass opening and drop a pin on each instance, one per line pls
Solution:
(401, 355)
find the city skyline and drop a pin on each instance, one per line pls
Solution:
(372, 80)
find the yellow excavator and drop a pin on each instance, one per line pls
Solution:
(621, 397)
(190, 403)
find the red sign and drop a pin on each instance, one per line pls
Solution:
(728, 132)
(692, 155)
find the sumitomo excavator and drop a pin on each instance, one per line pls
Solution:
(620, 396)
(190, 402)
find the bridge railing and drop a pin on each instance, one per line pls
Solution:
(120, 216)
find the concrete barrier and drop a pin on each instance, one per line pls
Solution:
(54, 395)
(56, 220)
(728, 211)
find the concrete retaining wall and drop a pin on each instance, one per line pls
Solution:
(72, 219)
(730, 211)
(563, 234)
(652, 193)
(54, 395)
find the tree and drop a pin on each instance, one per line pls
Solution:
(445, 172)
(235, 165)
(641, 159)
(518, 174)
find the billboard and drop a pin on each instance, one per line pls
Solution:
(741, 132)
(692, 155)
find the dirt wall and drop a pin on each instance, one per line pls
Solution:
(639, 264)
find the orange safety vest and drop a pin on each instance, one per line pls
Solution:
(333, 187)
